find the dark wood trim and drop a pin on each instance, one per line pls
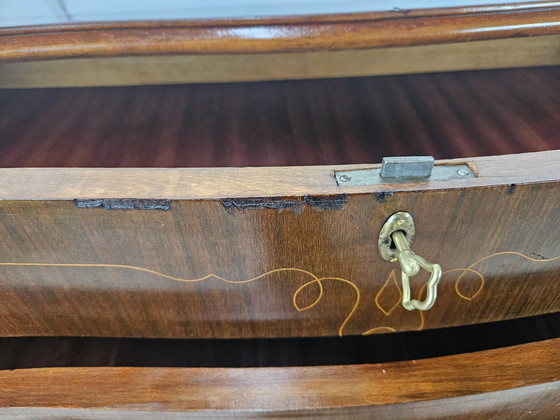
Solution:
(288, 34)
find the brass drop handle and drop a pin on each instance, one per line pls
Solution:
(394, 245)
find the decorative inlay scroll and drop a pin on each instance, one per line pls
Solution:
(380, 302)
(481, 276)
(392, 283)
(315, 280)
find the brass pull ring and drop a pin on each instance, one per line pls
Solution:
(394, 245)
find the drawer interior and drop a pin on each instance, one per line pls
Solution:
(311, 122)
(39, 352)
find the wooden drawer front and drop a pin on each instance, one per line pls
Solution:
(303, 264)
(465, 386)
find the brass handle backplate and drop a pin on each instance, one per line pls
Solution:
(395, 238)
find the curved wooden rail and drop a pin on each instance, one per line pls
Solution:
(508, 380)
(300, 33)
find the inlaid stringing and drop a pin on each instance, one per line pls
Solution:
(391, 279)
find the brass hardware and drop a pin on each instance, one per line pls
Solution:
(395, 238)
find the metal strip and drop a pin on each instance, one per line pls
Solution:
(373, 176)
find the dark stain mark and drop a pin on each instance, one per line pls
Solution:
(327, 202)
(511, 188)
(260, 203)
(382, 196)
(537, 256)
(123, 204)
(297, 205)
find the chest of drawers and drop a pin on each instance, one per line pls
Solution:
(233, 211)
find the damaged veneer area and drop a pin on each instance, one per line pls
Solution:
(294, 204)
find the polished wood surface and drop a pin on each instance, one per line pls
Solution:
(205, 68)
(299, 33)
(273, 252)
(538, 401)
(315, 122)
(507, 380)
(233, 252)
(266, 267)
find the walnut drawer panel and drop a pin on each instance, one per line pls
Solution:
(195, 261)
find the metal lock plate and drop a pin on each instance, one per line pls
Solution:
(407, 167)
(399, 170)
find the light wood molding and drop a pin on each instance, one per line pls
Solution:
(119, 71)
(288, 181)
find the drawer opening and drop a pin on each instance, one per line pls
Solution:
(36, 352)
(283, 123)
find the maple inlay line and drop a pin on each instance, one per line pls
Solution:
(315, 280)
(481, 276)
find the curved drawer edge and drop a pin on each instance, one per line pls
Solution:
(522, 378)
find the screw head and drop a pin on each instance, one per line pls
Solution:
(400, 222)
(462, 172)
(345, 178)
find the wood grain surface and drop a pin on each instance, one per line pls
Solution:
(517, 380)
(315, 122)
(206, 68)
(300, 33)
(274, 267)
(289, 182)
(272, 252)
(278, 252)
